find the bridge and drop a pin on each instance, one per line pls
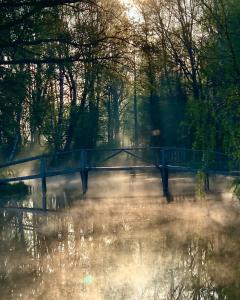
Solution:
(83, 161)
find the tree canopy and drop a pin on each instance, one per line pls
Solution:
(84, 74)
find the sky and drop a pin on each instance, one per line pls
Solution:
(132, 10)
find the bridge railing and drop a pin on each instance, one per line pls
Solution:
(184, 158)
(121, 157)
(197, 159)
(63, 160)
(84, 160)
(172, 156)
(194, 159)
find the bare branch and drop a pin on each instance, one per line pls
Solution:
(54, 60)
(41, 3)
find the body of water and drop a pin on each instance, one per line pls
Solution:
(123, 241)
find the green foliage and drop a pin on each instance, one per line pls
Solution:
(200, 124)
(74, 84)
(12, 95)
(200, 185)
(19, 188)
(236, 187)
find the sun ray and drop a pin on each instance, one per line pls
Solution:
(132, 10)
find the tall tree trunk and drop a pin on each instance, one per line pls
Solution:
(73, 112)
(59, 131)
(115, 110)
(109, 121)
(135, 104)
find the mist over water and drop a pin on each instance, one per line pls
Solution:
(123, 241)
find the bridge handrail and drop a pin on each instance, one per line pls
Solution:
(47, 155)
(21, 161)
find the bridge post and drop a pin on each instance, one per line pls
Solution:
(206, 182)
(164, 174)
(206, 174)
(44, 182)
(84, 171)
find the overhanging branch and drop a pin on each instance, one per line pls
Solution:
(54, 60)
(12, 44)
(41, 3)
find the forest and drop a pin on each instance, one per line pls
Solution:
(103, 73)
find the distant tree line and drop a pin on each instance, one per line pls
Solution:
(83, 74)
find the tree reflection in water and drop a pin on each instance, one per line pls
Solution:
(122, 249)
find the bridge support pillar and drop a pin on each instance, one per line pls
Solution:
(84, 179)
(84, 171)
(165, 175)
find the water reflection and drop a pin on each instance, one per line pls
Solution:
(122, 248)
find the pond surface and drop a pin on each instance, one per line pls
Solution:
(122, 243)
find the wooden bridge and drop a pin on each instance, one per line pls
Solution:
(84, 161)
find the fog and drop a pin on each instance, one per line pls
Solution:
(123, 241)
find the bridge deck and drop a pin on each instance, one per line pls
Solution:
(118, 168)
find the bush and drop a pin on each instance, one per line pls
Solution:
(200, 184)
(7, 189)
(236, 187)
